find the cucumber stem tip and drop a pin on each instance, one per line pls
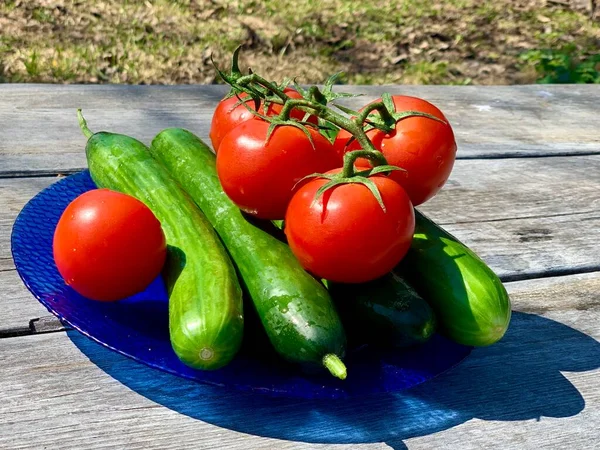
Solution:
(83, 124)
(335, 366)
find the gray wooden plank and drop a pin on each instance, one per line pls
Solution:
(44, 324)
(530, 248)
(526, 217)
(503, 121)
(518, 188)
(141, 111)
(536, 388)
(19, 307)
(495, 121)
(14, 194)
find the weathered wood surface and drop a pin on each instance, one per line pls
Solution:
(14, 193)
(528, 211)
(490, 122)
(18, 305)
(537, 388)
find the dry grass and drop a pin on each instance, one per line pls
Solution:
(410, 41)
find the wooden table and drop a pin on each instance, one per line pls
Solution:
(524, 194)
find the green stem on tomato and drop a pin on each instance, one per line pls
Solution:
(354, 126)
(254, 78)
(375, 156)
(315, 93)
(319, 107)
(387, 116)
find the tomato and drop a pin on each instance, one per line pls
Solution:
(227, 115)
(108, 245)
(345, 236)
(260, 177)
(423, 147)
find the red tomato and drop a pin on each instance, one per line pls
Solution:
(260, 177)
(424, 147)
(108, 245)
(227, 116)
(346, 236)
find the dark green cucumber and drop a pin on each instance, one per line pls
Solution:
(385, 311)
(295, 309)
(206, 320)
(470, 302)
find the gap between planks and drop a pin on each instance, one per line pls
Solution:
(38, 173)
(39, 325)
(54, 173)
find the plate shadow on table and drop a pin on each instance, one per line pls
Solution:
(518, 378)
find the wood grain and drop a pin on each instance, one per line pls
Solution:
(14, 194)
(527, 210)
(531, 248)
(489, 121)
(19, 307)
(518, 188)
(537, 388)
(525, 217)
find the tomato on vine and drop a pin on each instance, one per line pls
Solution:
(258, 172)
(230, 112)
(425, 148)
(350, 227)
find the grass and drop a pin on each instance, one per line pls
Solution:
(564, 66)
(408, 41)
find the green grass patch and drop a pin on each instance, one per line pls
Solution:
(563, 65)
(407, 41)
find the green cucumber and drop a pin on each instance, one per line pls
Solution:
(386, 311)
(470, 302)
(206, 320)
(295, 310)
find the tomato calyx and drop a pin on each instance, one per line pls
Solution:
(390, 120)
(383, 116)
(282, 119)
(279, 121)
(349, 174)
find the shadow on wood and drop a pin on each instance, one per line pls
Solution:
(518, 378)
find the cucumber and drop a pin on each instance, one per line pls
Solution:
(206, 320)
(386, 312)
(295, 310)
(470, 302)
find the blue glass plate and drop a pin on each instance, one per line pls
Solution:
(138, 326)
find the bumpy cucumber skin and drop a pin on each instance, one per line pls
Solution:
(295, 309)
(470, 302)
(206, 320)
(386, 311)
